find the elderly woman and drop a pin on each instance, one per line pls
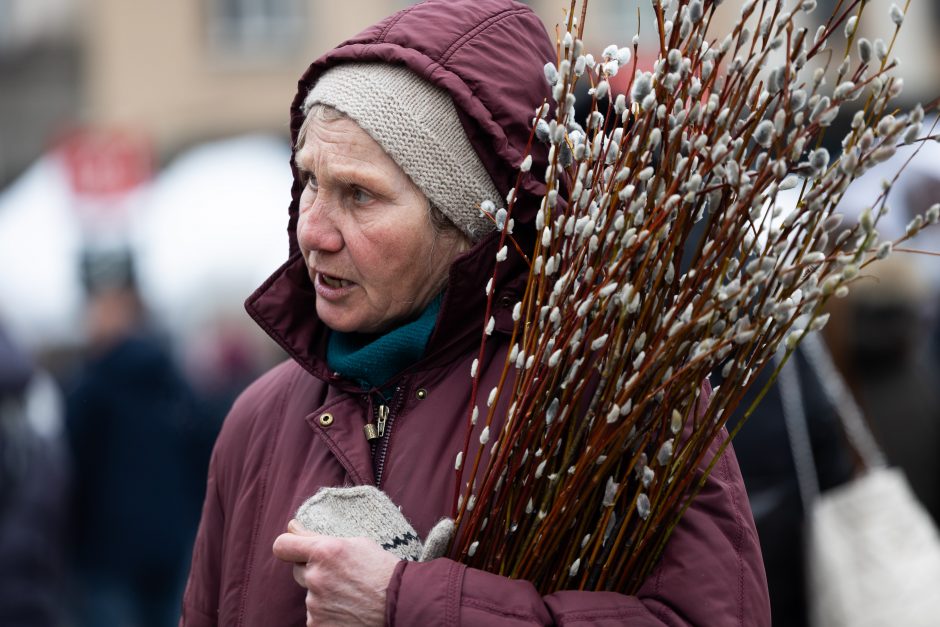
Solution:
(401, 133)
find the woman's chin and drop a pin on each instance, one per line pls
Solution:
(337, 320)
(345, 319)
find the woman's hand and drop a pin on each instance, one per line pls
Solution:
(346, 578)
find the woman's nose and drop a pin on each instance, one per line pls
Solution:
(317, 229)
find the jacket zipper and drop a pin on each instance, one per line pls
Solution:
(381, 420)
(384, 419)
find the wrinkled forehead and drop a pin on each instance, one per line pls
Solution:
(318, 111)
(338, 148)
(340, 138)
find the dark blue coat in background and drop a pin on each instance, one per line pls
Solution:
(140, 446)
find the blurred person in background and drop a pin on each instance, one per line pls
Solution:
(223, 358)
(880, 336)
(140, 443)
(885, 336)
(33, 488)
(885, 344)
(766, 446)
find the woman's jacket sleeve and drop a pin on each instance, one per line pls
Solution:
(711, 574)
(202, 589)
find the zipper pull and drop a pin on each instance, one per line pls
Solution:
(370, 431)
(383, 418)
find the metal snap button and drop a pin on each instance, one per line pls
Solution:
(421, 394)
(325, 420)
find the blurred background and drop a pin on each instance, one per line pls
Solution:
(144, 183)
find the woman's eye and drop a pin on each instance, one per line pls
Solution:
(310, 181)
(361, 196)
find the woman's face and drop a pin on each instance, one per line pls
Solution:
(364, 231)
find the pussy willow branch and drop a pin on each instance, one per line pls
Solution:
(603, 447)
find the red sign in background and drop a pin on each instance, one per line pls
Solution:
(106, 163)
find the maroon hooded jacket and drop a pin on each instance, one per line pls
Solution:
(300, 427)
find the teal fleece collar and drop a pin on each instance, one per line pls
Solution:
(371, 360)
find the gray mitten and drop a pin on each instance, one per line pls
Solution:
(366, 511)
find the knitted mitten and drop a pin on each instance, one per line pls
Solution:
(366, 511)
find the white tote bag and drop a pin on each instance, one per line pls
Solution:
(873, 551)
(873, 556)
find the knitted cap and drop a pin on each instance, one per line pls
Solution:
(416, 123)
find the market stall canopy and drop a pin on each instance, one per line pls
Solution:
(207, 231)
(40, 242)
(215, 228)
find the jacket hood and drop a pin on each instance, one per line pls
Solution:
(488, 55)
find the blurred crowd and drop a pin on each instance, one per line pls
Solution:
(102, 468)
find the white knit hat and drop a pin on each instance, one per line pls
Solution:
(416, 123)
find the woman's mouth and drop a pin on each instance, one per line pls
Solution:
(331, 287)
(333, 282)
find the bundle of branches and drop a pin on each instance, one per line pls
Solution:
(663, 256)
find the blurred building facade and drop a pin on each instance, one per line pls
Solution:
(40, 83)
(184, 71)
(189, 71)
